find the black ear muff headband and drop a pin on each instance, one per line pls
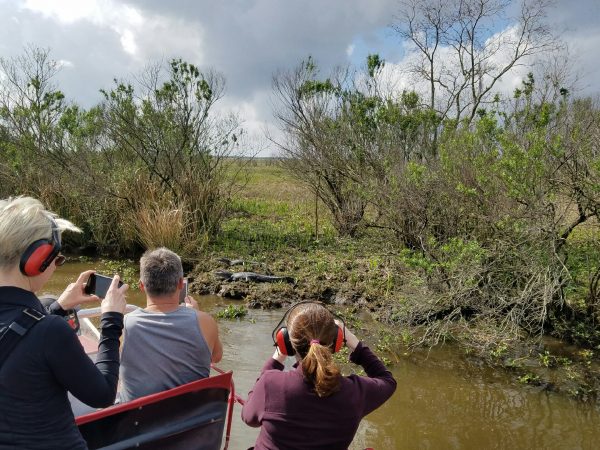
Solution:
(38, 256)
(281, 336)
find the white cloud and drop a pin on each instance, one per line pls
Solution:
(584, 48)
(123, 19)
(66, 11)
(65, 63)
(350, 50)
(128, 42)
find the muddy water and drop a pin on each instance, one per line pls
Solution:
(440, 403)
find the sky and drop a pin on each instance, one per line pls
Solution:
(247, 41)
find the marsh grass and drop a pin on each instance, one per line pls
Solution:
(165, 227)
(266, 179)
(272, 213)
(584, 260)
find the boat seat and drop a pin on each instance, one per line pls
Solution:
(191, 416)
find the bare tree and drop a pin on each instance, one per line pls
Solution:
(459, 52)
(316, 147)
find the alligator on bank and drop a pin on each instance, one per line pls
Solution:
(240, 262)
(251, 276)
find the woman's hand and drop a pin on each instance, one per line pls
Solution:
(351, 340)
(74, 294)
(278, 356)
(115, 297)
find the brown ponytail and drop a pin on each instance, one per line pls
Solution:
(319, 368)
(313, 322)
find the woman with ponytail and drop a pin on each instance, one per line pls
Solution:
(313, 406)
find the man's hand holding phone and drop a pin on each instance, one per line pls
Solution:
(184, 292)
(191, 303)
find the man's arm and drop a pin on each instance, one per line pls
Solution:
(210, 330)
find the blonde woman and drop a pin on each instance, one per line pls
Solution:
(314, 406)
(40, 355)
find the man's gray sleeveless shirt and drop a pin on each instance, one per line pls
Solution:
(161, 351)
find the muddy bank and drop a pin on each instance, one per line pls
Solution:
(207, 278)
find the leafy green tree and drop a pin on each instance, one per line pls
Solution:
(316, 151)
(173, 146)
(344, 138)
(34, 141)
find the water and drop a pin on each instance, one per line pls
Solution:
(440, 403)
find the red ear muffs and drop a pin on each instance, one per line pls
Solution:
(282, 339)
(284, 344)
(339, 340)
(38, 256)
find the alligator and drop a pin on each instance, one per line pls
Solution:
(240, 262)
(251, 276)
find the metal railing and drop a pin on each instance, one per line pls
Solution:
(87, 313)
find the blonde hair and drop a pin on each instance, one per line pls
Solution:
(307, 324)
(24, 220)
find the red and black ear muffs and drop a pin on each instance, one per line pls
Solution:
(281, 337)
(38, 256)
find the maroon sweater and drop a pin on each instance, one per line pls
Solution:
(292, 416)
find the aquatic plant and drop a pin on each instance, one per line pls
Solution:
(232, 312)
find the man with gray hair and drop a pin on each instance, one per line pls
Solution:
(165, 344)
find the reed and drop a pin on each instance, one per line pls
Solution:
(159, 226)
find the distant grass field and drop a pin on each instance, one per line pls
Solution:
(267, 180)
(272, 211)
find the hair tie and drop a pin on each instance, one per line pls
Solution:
(314, 341)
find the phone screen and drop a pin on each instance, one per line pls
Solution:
(184, 291)
(98, 285)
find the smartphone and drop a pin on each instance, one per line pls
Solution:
(184, 291)
(98, 285)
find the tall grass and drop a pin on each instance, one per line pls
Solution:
(158, 226)
(255, 226)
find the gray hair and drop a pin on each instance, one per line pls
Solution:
(160, 271)
(24, 220)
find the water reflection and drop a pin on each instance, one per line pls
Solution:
(440, 403)
(437, 408)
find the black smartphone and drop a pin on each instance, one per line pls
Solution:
(98, 285)
(184, 291)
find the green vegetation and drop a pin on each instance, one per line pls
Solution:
(232, 312)
(529, 378)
